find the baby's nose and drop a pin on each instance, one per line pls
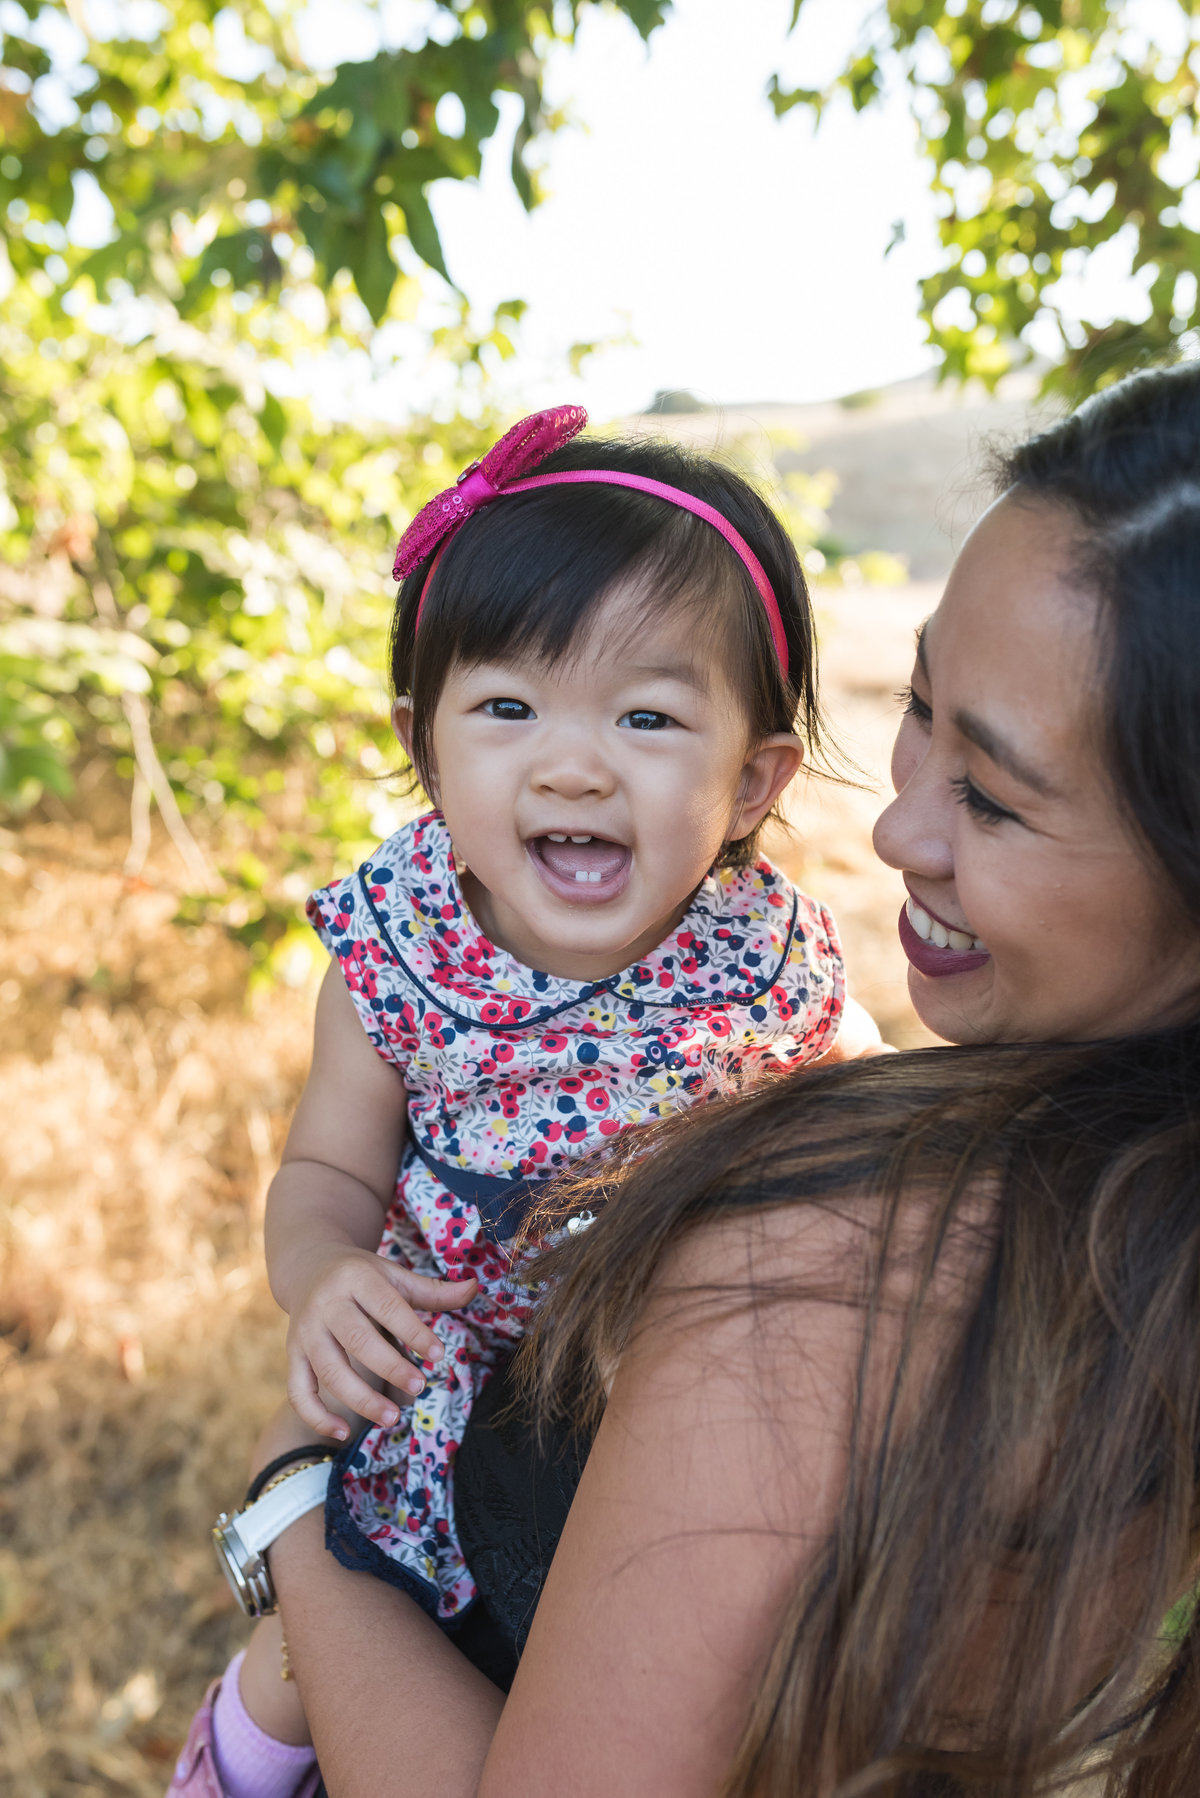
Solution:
(573, 771)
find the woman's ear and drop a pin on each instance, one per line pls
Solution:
(769, 767)
(402, 725)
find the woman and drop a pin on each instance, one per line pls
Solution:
(897, 1474)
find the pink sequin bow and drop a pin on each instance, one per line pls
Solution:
(519, 450)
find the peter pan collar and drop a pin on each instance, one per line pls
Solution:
(728, 949)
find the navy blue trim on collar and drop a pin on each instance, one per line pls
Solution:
(585, 993)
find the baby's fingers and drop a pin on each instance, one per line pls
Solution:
(361, 1339)
(304, 1395)
(430, 1294)
(330, 1359)
(384, 1304)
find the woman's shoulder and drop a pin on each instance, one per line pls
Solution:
(711, 1491)
(787, 1293)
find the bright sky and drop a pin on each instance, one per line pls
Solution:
(737, 255)
(744, 255)
(741, 256)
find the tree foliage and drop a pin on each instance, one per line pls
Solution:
(193, 563)
(1055, 128)
(193, 566)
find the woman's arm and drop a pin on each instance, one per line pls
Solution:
(715, 1477)
(713, 1481)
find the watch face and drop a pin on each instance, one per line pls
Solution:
(246, 1572)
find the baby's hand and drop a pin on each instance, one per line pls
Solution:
(349, 1298)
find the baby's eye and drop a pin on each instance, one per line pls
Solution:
(645, 720)
(514, 710)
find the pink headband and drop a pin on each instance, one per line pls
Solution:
(522, 448)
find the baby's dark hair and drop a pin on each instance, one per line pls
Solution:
(526, 575)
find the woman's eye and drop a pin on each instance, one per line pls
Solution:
(915, 706)
(980, 805)
(514, 710)
(646, 720)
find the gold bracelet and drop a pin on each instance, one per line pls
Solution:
(314, 1460)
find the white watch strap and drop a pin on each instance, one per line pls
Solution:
(268, 1517)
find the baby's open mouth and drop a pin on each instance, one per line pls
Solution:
(581, 866)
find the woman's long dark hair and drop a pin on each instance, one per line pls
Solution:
(1003, 1597)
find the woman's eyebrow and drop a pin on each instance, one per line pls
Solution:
(1003, 754)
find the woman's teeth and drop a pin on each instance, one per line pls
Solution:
(930, 931)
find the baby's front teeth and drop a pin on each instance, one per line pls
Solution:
(581, 839)
(584, 873)
(556, 836)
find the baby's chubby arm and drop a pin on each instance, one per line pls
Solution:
(325, 1214)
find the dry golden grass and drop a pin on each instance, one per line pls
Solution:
(139, 1350)
(145, 1102)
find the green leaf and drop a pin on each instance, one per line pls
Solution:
(423, 233)
(647, 15)
(273, 420)
(784, 99)
(1008, 160)
(248, 257)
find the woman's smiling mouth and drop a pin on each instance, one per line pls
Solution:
(580, 868)
(934, 948)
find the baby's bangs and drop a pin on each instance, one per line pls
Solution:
(689, 572)
(527, 577)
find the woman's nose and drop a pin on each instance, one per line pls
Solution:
(915, 832)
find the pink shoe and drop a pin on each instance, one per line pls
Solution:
(196, 1769)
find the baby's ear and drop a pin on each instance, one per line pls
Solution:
(768, 769)
(402, 723)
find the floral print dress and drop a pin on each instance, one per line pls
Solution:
(510, 1075)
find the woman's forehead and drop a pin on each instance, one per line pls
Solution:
(1015, 587)
(1014, 645)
